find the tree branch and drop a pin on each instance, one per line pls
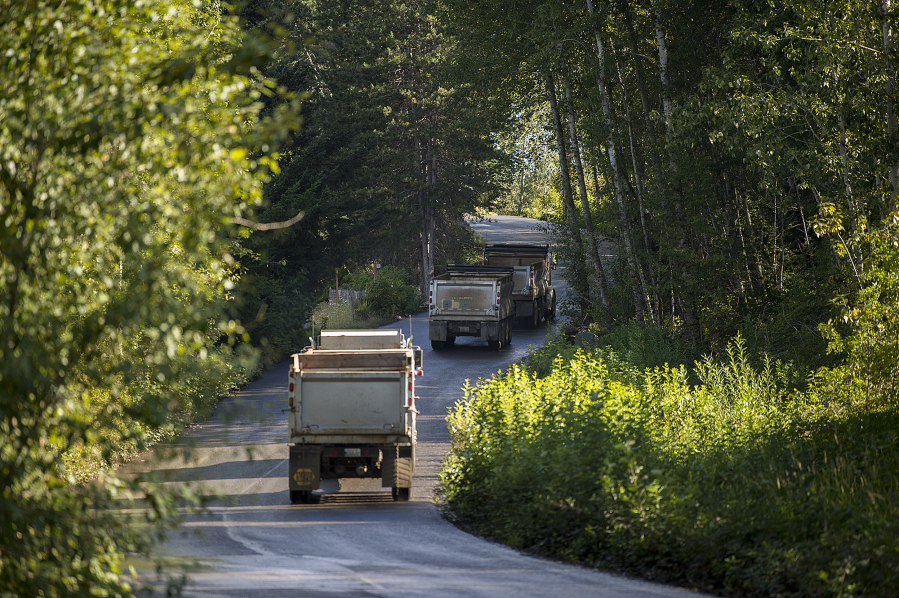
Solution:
(268, 225)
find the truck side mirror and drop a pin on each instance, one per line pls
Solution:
(418, 354)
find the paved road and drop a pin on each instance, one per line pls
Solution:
(358, 542)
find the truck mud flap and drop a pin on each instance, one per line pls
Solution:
(490, 331)
(524, 308)
(305, 467)
(437, 331)
(398, 467)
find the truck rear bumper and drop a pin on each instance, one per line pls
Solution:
(310, 464)
(486, 331)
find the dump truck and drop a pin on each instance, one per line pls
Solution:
(532, 294)
(471, 300)
(351, 411)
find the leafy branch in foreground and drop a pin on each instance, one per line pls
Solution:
(129, 140)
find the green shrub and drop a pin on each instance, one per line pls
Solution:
(392, 293)
(739, 484)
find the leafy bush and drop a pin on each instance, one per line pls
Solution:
(632, 346)
(392, 293)
(739, 484)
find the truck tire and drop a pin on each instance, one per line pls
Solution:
(401, 494)
(300, 496)
(450, 340)
(493, 345)
(438, 345)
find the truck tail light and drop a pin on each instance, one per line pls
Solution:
(497, 296)
(531, 278)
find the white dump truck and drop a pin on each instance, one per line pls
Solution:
(533, 294)
(471, 300)
(351, 411)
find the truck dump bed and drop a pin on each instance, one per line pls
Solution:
(532, 293)
(471, 300)
(347, 393)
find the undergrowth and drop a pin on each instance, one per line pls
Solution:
(743, 483)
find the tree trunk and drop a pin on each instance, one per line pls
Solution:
(578, 254)
(892, 129)
(687, 308)
(750, 230)
(426, 208)
(616, 175)
(582, 191)
(638, 193)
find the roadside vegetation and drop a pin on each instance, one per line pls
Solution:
(712, 172)
(730, 476)
(722, 181)
(388, 296)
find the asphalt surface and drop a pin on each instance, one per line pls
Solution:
(357, 541)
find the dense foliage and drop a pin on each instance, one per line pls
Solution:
(391, 156)
(742, 484)
(390, 293)
(743, 157)
(129, 140)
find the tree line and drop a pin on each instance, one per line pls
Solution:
(393, 151)
(741, 156)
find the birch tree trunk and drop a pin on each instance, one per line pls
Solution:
(566, 188)
(425, 219)
(687, 309)
(429, 225)
(638, 193)
(644, 96)
(616, 177)
(892, 129)
(582, 191)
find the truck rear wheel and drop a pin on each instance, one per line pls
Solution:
(493, 345)
(402, 494)
(438, 345)
(450, 340)
(300, 496)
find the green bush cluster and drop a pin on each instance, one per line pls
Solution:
(740, 484)
(392, 293)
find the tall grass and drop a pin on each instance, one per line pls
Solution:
(739, 484)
